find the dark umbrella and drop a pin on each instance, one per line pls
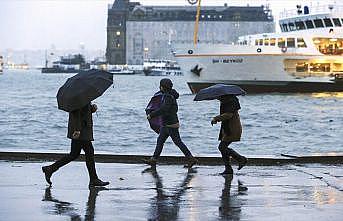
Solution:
(82, 88)
(215, 91)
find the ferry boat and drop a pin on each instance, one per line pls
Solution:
(120, 70)
(306, 56)
(68, 64)
(1, 64)
(154, 67)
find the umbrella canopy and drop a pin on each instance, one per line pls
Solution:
(215, 91)
(82, 88)
(154, 104)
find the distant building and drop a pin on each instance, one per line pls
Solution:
(136, 32)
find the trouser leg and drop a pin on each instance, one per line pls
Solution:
(175, 135)
(224, 150)
(74, 153)
(89, 153)
(162, 137)
(235, 155)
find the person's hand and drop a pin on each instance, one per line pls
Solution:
(148, 117)
(213, 121)
(76, 134)
(94, 108)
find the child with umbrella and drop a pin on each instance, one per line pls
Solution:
(231, 128)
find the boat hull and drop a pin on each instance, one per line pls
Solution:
(254, 87)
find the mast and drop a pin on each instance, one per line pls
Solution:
(196, 26)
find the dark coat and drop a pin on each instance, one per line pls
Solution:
(168, 109)
(231, 127)
(81, 120)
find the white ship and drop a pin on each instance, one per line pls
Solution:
(1, 64)
(154, 67)
(306, 56)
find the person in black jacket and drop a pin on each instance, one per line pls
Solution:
(80, 131)
(170, 127)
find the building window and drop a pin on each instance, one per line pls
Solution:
(260, 42)
(309, 24)
(285, 27)
(272, 41)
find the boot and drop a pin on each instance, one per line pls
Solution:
(97, 182)
(48, 171)
(242, 160)
(191, 161)
(228, 170)
(152, 161)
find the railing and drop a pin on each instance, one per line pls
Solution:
(312, 10)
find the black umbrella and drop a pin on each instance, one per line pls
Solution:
(215, 91)
(82, 88)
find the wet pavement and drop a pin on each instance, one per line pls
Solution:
(288, 192)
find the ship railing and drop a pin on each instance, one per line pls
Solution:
(318, 9)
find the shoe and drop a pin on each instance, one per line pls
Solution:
(152, 161)
(97, 182)
(191, 162)
(242, 162)
(48, 173)
(228, 171)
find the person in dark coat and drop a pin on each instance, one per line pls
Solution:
(170, 121)
(80, 131)
(230, 131)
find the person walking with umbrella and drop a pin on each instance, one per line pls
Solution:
(231, 128)
(170, 123)
(75, 97)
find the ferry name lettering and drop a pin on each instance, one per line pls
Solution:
(228, 61)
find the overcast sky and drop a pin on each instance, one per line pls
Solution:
(37, 24)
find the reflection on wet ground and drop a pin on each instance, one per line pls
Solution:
(172, 193)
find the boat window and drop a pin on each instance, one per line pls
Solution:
(260, 42)
(337, 22)
(256, 41)
(291, 26)
(328, 22)
(300, 25)
(285, 27)
(266, 41)
(309, 24)
(272, 41)
(319, 67)
(301, 43)
(329, 46)
(281, 42)
(318, 23)
(290, 43)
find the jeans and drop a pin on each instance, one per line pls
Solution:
(76, 146)
(165, 132)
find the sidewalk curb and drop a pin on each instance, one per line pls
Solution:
(138, 159)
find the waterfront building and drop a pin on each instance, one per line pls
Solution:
(136, 32)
